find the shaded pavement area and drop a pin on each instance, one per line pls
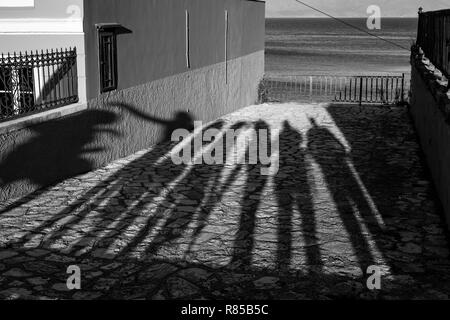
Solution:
(351, 191)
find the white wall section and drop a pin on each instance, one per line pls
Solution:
(41, 26)
(16, 3)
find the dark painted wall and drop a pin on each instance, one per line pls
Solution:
(156, 48)
(430, 109)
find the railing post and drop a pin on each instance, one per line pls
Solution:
(360, 91)
(15, 85)
(387, 90)
(350, 90)
(420, 24)
(403, 88)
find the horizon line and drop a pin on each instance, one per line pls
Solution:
(324, 17)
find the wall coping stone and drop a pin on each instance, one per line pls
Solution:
(38, 118)
(435, 80)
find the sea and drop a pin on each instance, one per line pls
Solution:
(324, 46)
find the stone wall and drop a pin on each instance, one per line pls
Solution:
(430, 109)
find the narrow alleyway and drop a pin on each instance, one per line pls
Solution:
(351, 191)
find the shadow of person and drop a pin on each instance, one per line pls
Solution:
(217, 188)
(200, 186)
(174, 180)
(92, 198)
(181, 120)
(292, 189)
(115, 205)
(331, 155)
(56, 150)
(252, 195)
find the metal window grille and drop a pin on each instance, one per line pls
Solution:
(36, 82)
(108, 61)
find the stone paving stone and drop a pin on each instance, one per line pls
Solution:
(37, 281)
(352, 190)
(15, 293)
(17, 273)
(87, 295)
(7, 254)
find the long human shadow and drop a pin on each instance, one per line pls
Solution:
(109, 213)
(252, 196)
(56, 150)
(206, 190)
(104, 199)
(292, 190)
(388, 159)
(94, 198)
(332, 157)
(179, 196)
(217, 192)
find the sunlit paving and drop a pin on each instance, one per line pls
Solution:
(346, 188)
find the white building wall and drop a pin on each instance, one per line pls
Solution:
(30, 25)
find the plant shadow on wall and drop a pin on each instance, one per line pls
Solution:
(54, 150)
(169, 226)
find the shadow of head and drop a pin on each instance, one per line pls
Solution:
(287, 126)
(313, 122)
(260, 125)
(183, 120)
(290, 135)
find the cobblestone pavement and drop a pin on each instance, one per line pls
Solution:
(351, 191)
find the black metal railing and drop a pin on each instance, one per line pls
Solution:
(372, 89)
(35, 82)
(369, 89)
(433, 36)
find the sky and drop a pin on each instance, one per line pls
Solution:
(352, 8)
